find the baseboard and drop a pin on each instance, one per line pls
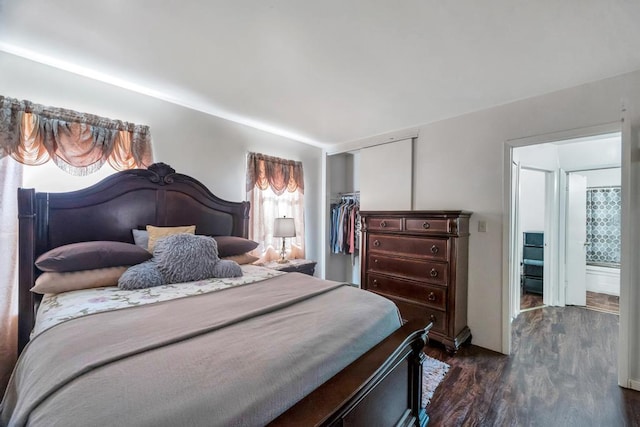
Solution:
(634, 384)
(603, 280)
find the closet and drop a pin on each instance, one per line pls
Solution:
(342, 188)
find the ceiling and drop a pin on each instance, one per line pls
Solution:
(331, 71)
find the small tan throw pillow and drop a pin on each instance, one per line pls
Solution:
(156, 233)
(55, 283)
(242, 259)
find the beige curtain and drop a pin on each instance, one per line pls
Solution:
(10, 180)
(275, 188)
(78, 143)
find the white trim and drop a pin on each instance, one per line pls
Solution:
(325, 202)
(629, 246)
(551, 215)
(634, 384)
(508, 236)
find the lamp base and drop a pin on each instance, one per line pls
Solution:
(283, 254)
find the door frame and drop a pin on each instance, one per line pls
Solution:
(627, 330)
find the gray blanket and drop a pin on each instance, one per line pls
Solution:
(237, 357)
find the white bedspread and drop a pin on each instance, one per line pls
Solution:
(57, 308)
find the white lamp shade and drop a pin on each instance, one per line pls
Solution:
(284, 227)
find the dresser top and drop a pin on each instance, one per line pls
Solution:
(430, 213)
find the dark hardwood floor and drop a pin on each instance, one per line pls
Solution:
(562, 373)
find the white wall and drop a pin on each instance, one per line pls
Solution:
(603, 177)
(210, 149)
(459, 165)
(590, 153)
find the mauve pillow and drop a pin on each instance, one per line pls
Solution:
(232, 245)
(91, 255)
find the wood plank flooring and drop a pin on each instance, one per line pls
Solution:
(562, 373)
(595, 301)
(603, 302)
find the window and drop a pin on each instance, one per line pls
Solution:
(275, 188)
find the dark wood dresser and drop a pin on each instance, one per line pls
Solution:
(418, 259)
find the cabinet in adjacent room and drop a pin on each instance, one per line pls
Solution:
(532, 262)
(419, 260)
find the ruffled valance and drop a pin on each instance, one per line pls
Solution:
(279, 174)
(78, 143)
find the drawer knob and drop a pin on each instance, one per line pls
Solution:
(432, 318)
(434, 249)
(433, 272)
(375, 260)
(383, 224)
(426, 225)
(376, 243)
(432, 296)
(375, 283)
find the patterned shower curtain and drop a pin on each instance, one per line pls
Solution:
(603, 225)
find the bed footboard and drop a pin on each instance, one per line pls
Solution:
(382, 387)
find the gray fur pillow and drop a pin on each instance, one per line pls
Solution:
(227, 268)
(140, 276)
(187, 257)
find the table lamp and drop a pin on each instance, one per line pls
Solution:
(284, 227)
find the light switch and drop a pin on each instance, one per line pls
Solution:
(482, 226)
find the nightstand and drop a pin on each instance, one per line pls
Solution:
(305, 266)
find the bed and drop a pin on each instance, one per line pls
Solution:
(287, 350)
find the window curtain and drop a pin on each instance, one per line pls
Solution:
(275, 188)
(10, 180)
(78, 143)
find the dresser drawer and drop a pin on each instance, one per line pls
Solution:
(384, 224)
(414, 269)
(409, 311)
(427, 225)
(432, 296)
(417, 247)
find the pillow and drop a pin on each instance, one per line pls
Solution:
(54, 283)
(227, 268)
(186, 257)
(232, 245)
(242, 259)
(91, 255)
(157, 233)
(145, 275)
(141, 238)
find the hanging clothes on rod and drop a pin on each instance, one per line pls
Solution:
(345, 224)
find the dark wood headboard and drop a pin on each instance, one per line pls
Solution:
(109, 210)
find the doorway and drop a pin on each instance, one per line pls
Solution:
(532, 223)
(592, 232)
(562, 159)
(554, 179)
